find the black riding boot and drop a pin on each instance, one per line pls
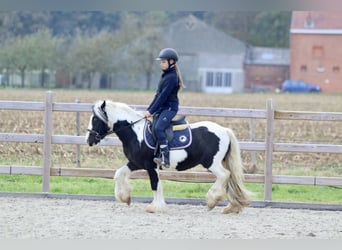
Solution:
(163, 158)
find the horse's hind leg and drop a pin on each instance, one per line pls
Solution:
(122, 186)
(218, 192)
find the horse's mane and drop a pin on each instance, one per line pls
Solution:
(121, 110)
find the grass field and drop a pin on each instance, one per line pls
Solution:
(141, 188)
(319, 164)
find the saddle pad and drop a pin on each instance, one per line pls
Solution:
(182, 137)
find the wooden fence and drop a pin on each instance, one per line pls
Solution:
(268, 146)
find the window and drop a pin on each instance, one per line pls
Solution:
(303, 68)
(336, 69)
(217, 78)
(218, 82)
(227, 79)
(210, 79)
(309, 22)
(317, 51)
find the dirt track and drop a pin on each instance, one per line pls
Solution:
(46, 218)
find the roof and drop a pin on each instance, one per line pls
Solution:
(191, 35)
(316, 22)
(267, 56)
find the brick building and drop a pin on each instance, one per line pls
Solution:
(315, 49)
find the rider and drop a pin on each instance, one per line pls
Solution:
(165, 103)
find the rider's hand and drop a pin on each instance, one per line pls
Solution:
(147, 114)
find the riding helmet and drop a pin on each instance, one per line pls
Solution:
(168, 53)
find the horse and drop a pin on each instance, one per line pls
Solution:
(213, 146)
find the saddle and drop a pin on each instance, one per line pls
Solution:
(178, 134)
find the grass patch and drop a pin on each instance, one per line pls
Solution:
(141, 188)
(306, 193)
(20, 183)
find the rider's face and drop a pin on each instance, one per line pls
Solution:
(164, 64)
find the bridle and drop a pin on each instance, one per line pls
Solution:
(104, 118)
(97, 135)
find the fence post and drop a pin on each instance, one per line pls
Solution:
(269, 150)
(47, 142)
(78, 132)
(252, 138)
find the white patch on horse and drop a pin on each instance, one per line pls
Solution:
(138, 130)
(122, 186)
(177, 156)
(120, 112)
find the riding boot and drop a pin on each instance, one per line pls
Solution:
(163, 158)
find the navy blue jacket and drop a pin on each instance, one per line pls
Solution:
(166, 96)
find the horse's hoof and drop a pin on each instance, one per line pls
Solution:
(210, 208)
(150, 208)
(153, 208)
(231, 210)
(128, 202)
(211, 203)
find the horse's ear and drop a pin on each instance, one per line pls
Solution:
(103, 105)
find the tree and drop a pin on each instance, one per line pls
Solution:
(37, 51)
(258, 28)
(23, 23)
(271, 29)
(143, 32)
(17, 55)
(45, 52)
(89, 54)
(143, 54)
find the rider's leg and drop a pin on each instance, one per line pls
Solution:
(164, 156)
(163, 122)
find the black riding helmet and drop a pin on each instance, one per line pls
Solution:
(168, 54)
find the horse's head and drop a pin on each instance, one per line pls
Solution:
(98, 124)
(113, 113)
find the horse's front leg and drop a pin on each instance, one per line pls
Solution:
(158, 203)
(122, 186)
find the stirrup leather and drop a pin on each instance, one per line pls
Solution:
(163, 159)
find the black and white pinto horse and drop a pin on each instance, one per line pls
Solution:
(213, 146)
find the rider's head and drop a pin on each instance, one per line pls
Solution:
(168, 55)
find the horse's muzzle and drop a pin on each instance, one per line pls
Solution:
(92, 142)
(93, 138)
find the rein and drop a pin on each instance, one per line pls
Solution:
(128, 126)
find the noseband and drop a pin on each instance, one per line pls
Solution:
(97, 135)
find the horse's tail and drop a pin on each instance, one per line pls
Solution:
(238, 195)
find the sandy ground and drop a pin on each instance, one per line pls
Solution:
(47, 218)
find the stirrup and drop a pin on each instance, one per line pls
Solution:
(160, 161)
